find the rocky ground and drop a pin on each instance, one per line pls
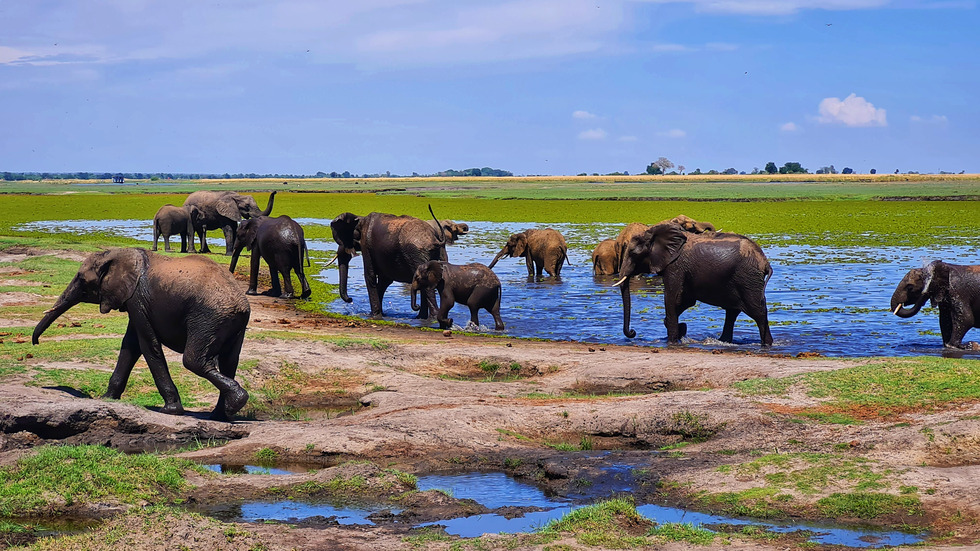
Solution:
(425, 402)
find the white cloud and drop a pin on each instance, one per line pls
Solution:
(789, 127)
(673, 133)
(935, 119)
(592, 134)
(775, 7)
(583, 115)
(851, 111)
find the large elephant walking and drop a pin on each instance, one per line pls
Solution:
(223, 210)
(393, 247)
(954, 288)
(281, 243)
(188, 304)
(720, 269)
(542, 249)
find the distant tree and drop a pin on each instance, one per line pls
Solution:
(664, 164)
(729, 171)
(681, 168)
(771, 168)
(873, 171)
(345, 174)
(792, 168)
(697, 171)
(582, 174)
(653, 168)
(712, 171)
(847, 170)
(896, 171)
(321, 174)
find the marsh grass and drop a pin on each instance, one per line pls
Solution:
(879, 389)
(57, 476)
(614, 523)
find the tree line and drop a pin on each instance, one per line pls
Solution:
(153, 176)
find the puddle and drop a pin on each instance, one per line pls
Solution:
(808, 308)
(255, 469)
(497, 490)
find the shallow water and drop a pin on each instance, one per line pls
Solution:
(254, 469)
(495, 490)
(832, 300)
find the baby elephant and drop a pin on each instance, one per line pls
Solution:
(171, 220)
(474, 285)
(281, 243)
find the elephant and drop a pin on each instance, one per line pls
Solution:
(452, 230)
(171, 220)
(393, 247)
(224, 210)
(720, 269)
(281, 243)
(689, 224)
(604, 259)
(542, 249)
(474, 285)
(954, 288)
(188, 304)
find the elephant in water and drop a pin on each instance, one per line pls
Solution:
(451, 230)
(604, 258)
(171, 220)
(224, 210)
(393, 248)
(721, 269)
(955, 289)
(281, 243)
(633, 229)
(474, 285)
(542, 249)
(188, 304)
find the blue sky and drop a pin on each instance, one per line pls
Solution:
(533, 86)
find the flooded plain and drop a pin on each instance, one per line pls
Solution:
(830, 299)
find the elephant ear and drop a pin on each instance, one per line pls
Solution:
(667, 241)
(345, 232)
(246, 234)
(436, 274)
(119, 272)
(520, 244)
(938, 279)
(228, 208)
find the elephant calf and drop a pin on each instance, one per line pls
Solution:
(281, 243)
(604, 258)
(955, 289)
(171, 220)
(542, 250)
(474, 285)
(450, 230)
(188, 304)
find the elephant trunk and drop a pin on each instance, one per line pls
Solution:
(239, 245)
(624, 286)
(496, 258)
(415, 296)
(901, 311)
(343, 264)
(268, 208)
(69, 298)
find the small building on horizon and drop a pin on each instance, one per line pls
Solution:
(118, 179)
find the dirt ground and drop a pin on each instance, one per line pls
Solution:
(424, 402)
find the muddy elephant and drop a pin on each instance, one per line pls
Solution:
(223, 210)
(633, 229)
(605, 261)
(171, 220)
(188, 304)
(474, 285)
(451, 230)
(393, 247)
(721, 269)
(542, 249)
(954, 288)
(281, 243)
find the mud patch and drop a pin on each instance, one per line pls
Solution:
(491, 368)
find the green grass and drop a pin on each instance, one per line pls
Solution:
(868, 505)
(880, 388)
(603, 524)
(140, 390)
(67, 475)
(671, 531)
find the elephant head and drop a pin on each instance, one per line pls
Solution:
(918, 286)
(247, 206)
(347, 234)
(428, 275)
(454, 230)
(689, 224)
(648, 253)
(244, 239)
(107, 278)
(515, 246)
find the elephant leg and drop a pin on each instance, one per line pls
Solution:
(445, 322)
(674, 308)
(429, 307)
(155, 360)
(371, 281)
(287, 284)
(228, 366)
(475, 314)
(183, 243)
(202, 235)
(276, 290)
(380, 287)
(760, 315)
(961, 320)
(156, 236)
(495, 312)
(728, 332)
(166, 242)
(946, 324)
(129, 354)
(229, 231)
(304, 285)
(201, 357)
(253, 273)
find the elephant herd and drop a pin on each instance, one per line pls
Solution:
(194, 306)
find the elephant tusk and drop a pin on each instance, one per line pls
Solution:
(332, 261)
(897, 308)
(620, 282)
(48, 311)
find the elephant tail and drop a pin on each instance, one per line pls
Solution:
(564, 254)
(767, 272)
(306, 251)
(440, 232)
